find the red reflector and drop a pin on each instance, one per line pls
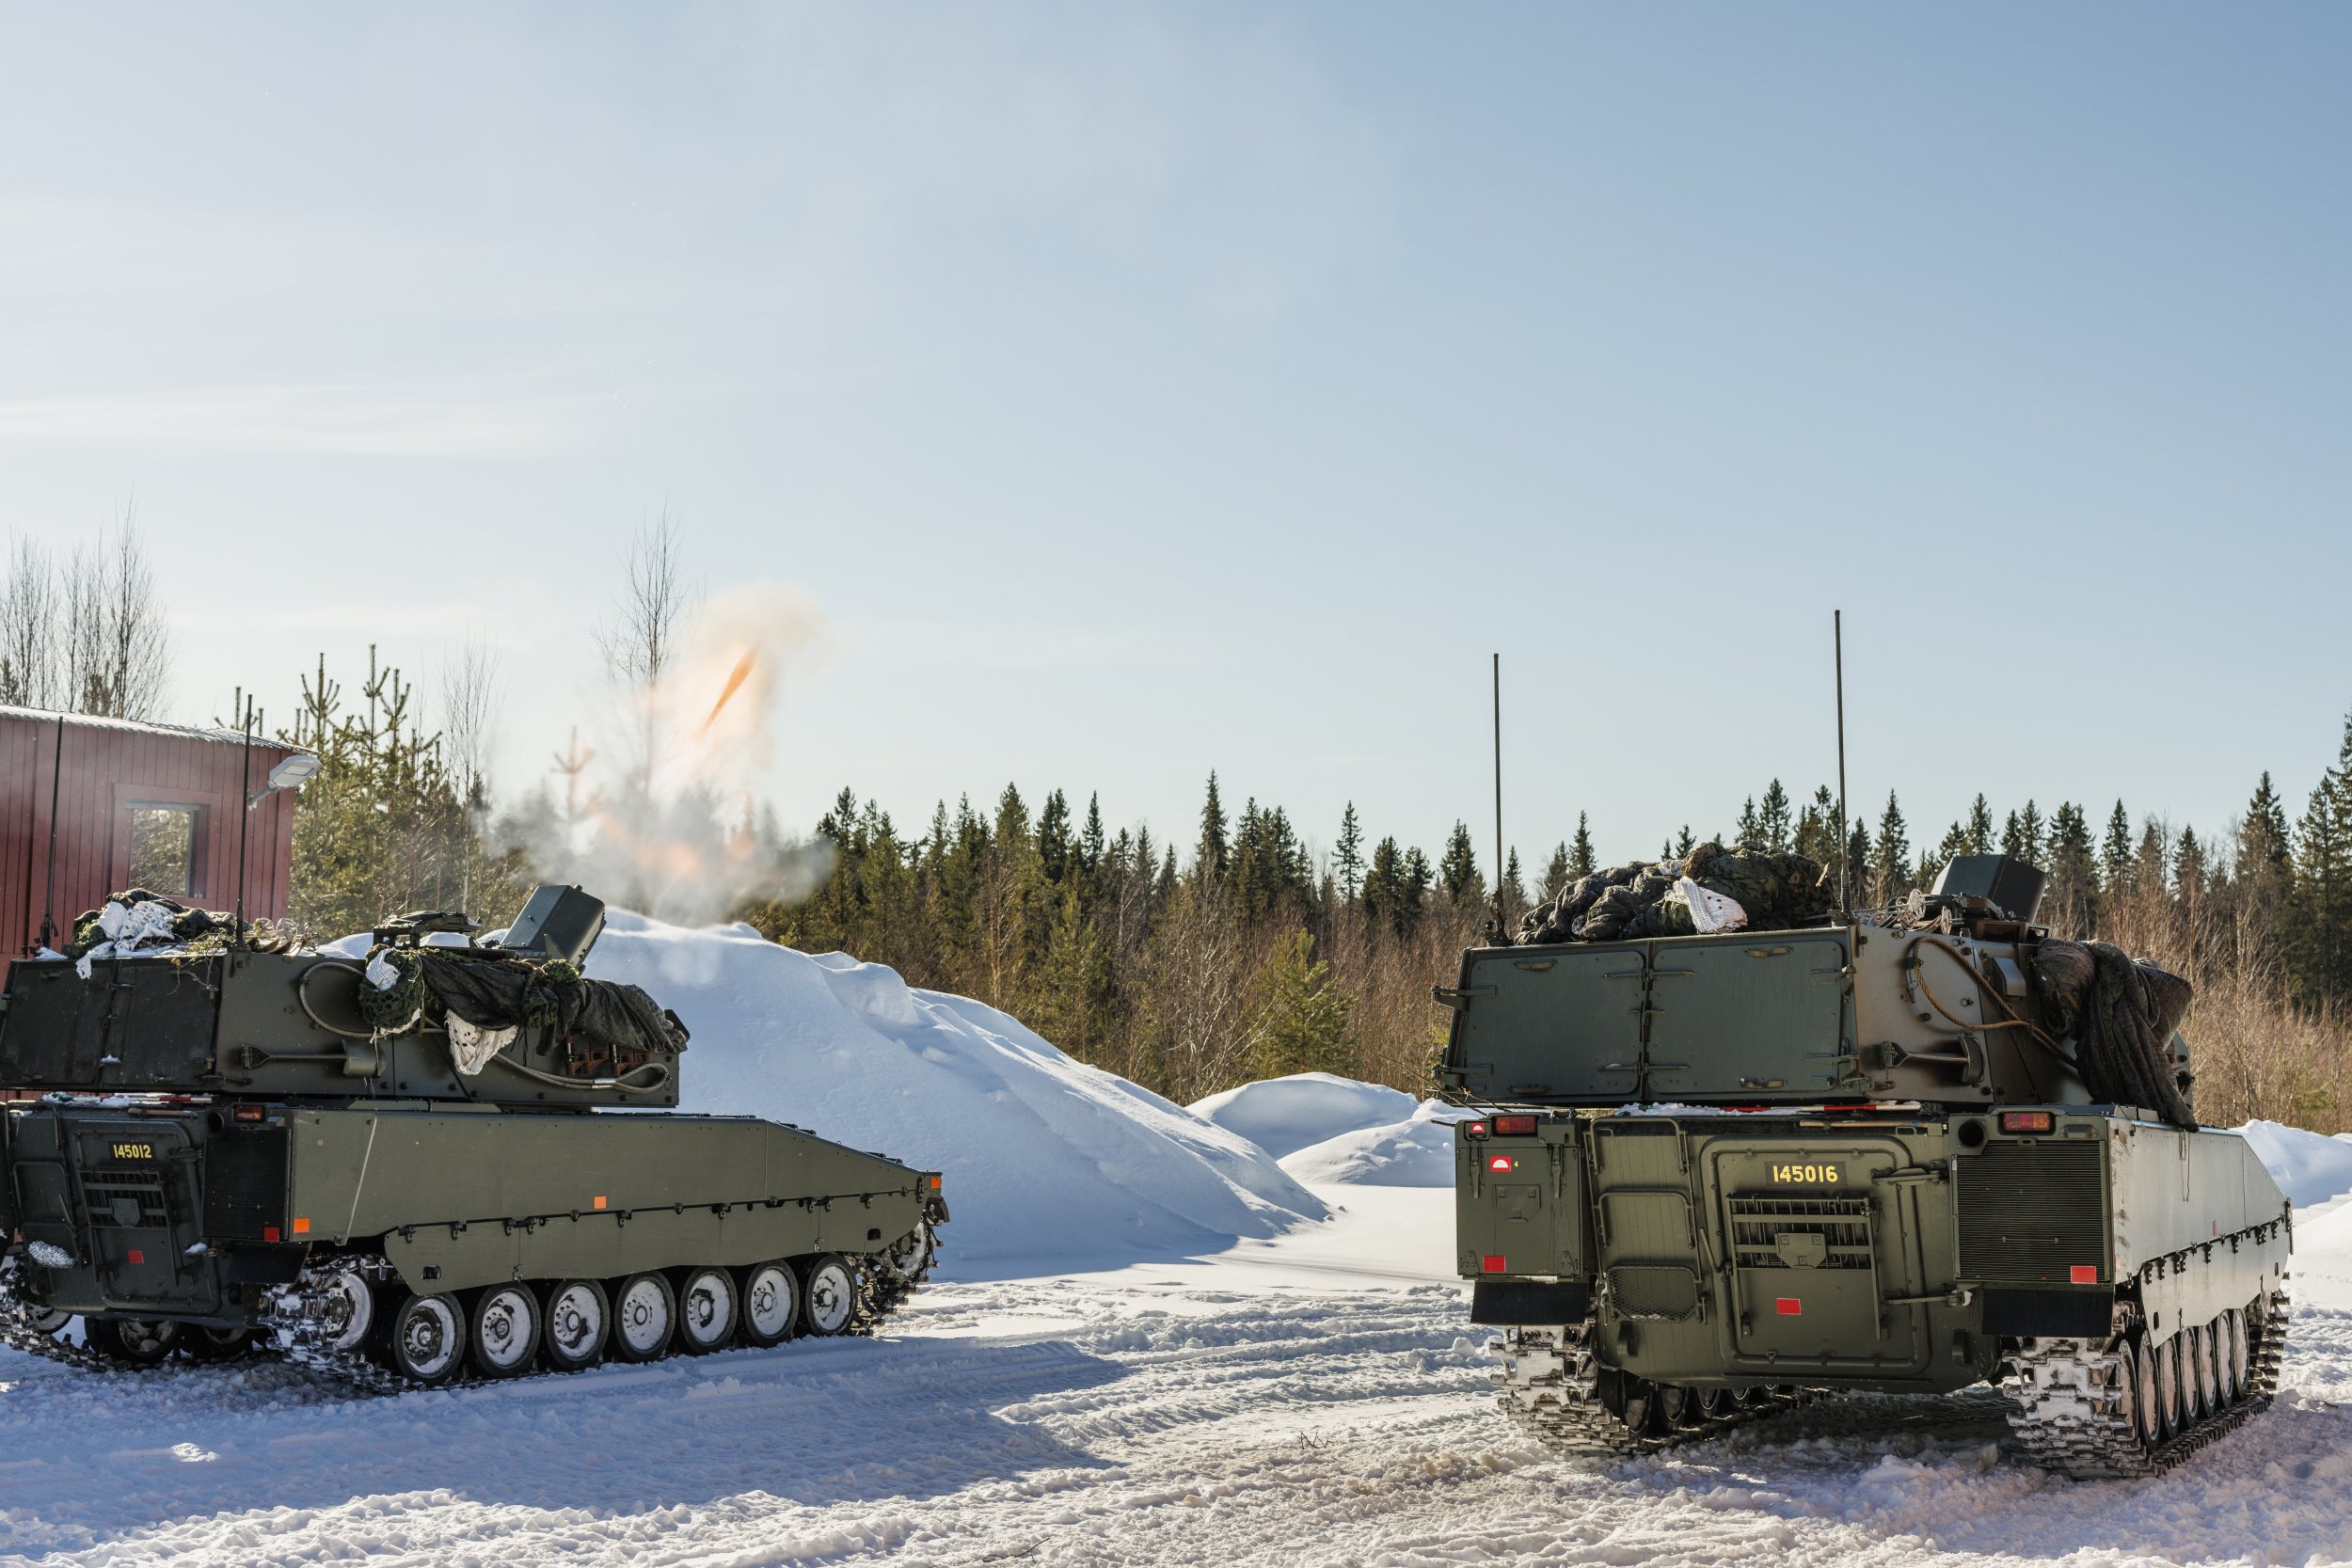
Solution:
(269, 1232)
(1515, 1126)
(246, 1113)
(1501, 1162)
(2027, 1121)
(135, 1256)
(1789, 1307)
(1491, 1263)
(2083, 1273)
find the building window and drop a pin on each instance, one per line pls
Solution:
(163, 849)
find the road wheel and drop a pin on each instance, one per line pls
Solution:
(351, 1308)
(644, 1315)
(2168, 1367)
(424, 1339)
(770, 1298)
(505, 1331)
(827, 1293)
(131, 1341)
(2139, 1366)
(199, 1343)
(2236, 1363)
(2197, 1373)
(708, 1311)
(578, 1319)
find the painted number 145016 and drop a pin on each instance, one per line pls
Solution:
(1808, 1176)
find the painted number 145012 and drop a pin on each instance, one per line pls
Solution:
(1808, 1176)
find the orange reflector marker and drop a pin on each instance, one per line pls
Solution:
(2027, 1121)
(1492, 1263)
(1502, 1161)
(934, 1183)
(302, 1226)
(600, 1200)
(1789, 1307)
(2083, 1273)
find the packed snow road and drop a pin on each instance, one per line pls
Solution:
(1318, 1399)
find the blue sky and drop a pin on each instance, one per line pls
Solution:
(1141, 390)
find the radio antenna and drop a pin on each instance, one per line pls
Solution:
(244, 816)
(1498, 872)
(49, 898)
(1845, 844)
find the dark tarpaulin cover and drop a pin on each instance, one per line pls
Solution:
(494, 993)
(2122, 1013)
(1776, 889)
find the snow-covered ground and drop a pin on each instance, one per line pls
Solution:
(1301, 1391)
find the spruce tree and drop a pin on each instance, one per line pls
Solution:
(2071, 906)
(1581, 860)
(1210, 856)
(1300, 1019)
(2323, 885)
(1978, 838)
(1055, 850)
(1348, 854)
(1513, 899)
(1556, 874)
(2264, 852)
(1457, 870)
(1773, 819)
(1890, 863)
(1751, 829)
(1685, 842)
(2032, 834)
(2115, 854)
(1090, 842)
(1384, 887)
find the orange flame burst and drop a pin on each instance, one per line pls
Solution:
(735, 682)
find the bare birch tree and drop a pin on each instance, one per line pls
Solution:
(88, 633)
(28, 614)
(640, 639)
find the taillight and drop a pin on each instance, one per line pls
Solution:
(246, 1113)
(1475, 1130)
(1515, 1126)
(2028, 1121)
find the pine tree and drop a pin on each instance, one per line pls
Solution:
(1557, 875)
(1301, 1019)
(1348, 855)
(1581, 860)
(1210, 857)
(1774, 820)
(1890, 864)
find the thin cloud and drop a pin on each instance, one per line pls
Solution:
(391, 421)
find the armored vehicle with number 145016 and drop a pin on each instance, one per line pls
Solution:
(446, 1159)
(1901, 1151)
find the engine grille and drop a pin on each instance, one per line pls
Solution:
(2034, 1212)
(124, 1200)
(1758, 1223)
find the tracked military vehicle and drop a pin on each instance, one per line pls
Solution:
(1899, 1151)
(411, 1168)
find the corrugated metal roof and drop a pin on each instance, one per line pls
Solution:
(138, 727)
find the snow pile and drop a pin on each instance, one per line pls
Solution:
(1045, 1157)
(2311, 1167)
(1415, 1152)
(1283, 1116)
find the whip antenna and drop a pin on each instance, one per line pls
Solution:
(1837, 655)
(1498, 911)
(244, 818)
(49, 898)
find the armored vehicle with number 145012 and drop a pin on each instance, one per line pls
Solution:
(446, 1158)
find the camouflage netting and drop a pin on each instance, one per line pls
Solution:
(491, 988)
(1776, 890)
(2122, 1013)
(150, 922)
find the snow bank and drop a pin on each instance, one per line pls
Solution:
(2311, 1167)
(1415, 1152)
(1045, 1157)
(1283, 1116)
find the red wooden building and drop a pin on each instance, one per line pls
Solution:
(136, 806)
